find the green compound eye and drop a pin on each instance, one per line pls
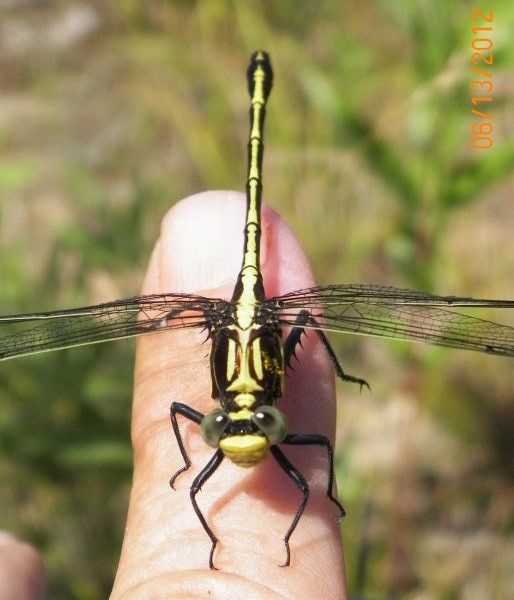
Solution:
(271, 422)
(213, 425)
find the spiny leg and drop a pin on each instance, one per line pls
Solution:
(301, 484)
(293, 339)
(313, 439)
(199, 480)
(205, 473)
(192, 415)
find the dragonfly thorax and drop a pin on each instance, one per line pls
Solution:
(247, 366)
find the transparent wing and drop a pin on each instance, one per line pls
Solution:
(103, 322)
(359, 309)
(400, 314)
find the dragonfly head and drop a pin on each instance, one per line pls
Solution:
(244, 436)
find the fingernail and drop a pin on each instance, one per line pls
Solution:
(201, 242)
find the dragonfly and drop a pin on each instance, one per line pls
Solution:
(250, 353)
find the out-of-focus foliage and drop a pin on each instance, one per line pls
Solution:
(112, 111)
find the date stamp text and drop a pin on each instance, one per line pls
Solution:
(482, 59)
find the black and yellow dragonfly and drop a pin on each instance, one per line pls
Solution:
(249, 357)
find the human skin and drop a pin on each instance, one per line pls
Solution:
(165, 550)
(22, 575)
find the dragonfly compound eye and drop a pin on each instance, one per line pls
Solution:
(213, 425)
(271, 422)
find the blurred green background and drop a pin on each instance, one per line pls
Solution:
(112, 111)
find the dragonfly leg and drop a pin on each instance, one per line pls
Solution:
(301, 484)
(199, 480)
(313, 439)
(192, 415)
(293, 339)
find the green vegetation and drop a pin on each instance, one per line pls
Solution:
(114, 111)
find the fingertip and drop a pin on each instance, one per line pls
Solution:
(201, 247)
(22, 574)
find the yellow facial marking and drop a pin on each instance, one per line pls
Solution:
(245, 450)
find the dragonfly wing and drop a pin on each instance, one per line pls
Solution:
(103, 322)
(399, 314)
